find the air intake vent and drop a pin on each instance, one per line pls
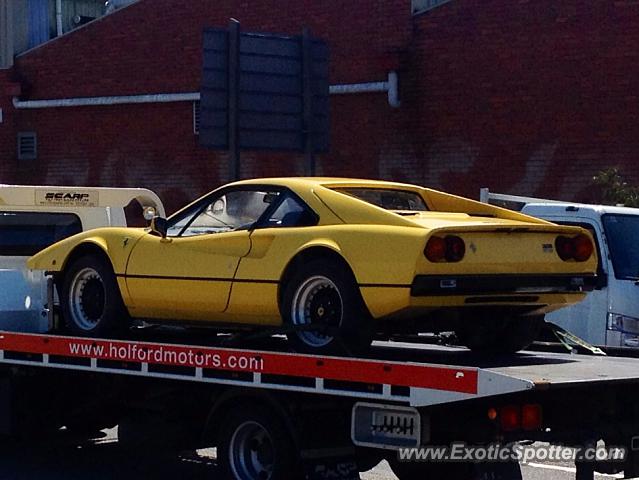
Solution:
(196, 117)
(27, 146)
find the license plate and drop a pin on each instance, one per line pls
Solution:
(385, 426)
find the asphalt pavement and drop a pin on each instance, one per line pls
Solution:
(103, 459)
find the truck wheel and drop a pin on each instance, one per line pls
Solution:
(324, 294)
(500, 335)
(91, 302)
(254, 444)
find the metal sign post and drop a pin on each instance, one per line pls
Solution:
(234, 99)
(264, 92)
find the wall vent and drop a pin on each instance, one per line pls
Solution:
(27, 146)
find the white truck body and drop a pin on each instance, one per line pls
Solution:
(33, 217)
(609, 316)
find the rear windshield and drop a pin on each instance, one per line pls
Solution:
(389, 199)
(23, 234)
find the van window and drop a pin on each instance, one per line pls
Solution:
(622, 232)
(23, 234)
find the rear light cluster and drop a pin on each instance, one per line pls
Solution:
(512, 418)
(577, 248)
(447, 249)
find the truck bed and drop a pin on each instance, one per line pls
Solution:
(411, 374)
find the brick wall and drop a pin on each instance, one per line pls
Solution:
(531, 97)
(7, 128)
(155, 47)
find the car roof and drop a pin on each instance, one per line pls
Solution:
(575, 207)
(309, 182)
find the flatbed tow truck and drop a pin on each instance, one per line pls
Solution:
(275, 415)
(287, 415)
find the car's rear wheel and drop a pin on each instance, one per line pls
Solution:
(91, 301)
(500, 334)
(323, 304)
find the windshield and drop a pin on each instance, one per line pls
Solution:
(402, 200)
(622, 232)
(229, 210)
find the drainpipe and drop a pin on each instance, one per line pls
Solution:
(113, 100)
(390, 87)
(58, 17)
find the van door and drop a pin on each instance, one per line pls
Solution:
(622, 231)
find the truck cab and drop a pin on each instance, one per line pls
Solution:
(34, 217)
(610, 314)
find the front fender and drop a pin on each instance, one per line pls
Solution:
(115, 243)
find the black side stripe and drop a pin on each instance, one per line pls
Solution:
(245, 280)
(198, 279)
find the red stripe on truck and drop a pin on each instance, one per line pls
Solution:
(463, 380)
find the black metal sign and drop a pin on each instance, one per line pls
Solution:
(264, 92)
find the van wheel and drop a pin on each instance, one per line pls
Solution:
(323, 302)
(500, 335)
(254, 444)
(91, 302)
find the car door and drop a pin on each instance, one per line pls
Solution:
(187, 275)
(274, 240)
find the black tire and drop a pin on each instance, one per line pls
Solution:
(91, 302)
(334, 304)
(500, 335)
(254, 444)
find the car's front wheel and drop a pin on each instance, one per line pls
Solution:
(323, 305)
(500, 335)
(91, 301)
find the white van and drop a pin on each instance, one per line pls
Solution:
(609, 316)
(34, 217)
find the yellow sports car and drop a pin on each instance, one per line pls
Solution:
(331, 262)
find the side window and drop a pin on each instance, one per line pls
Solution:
(232, 210)
(291, 213)
(23, 234)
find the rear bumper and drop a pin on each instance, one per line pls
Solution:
(429, 285)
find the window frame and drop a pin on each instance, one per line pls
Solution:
(262, 222)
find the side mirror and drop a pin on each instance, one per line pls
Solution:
(159, 226)
(149, 213)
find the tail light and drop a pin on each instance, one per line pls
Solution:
(531, 417)
(578, 248)
(528, 417)
(510, 418)
(448, 249)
